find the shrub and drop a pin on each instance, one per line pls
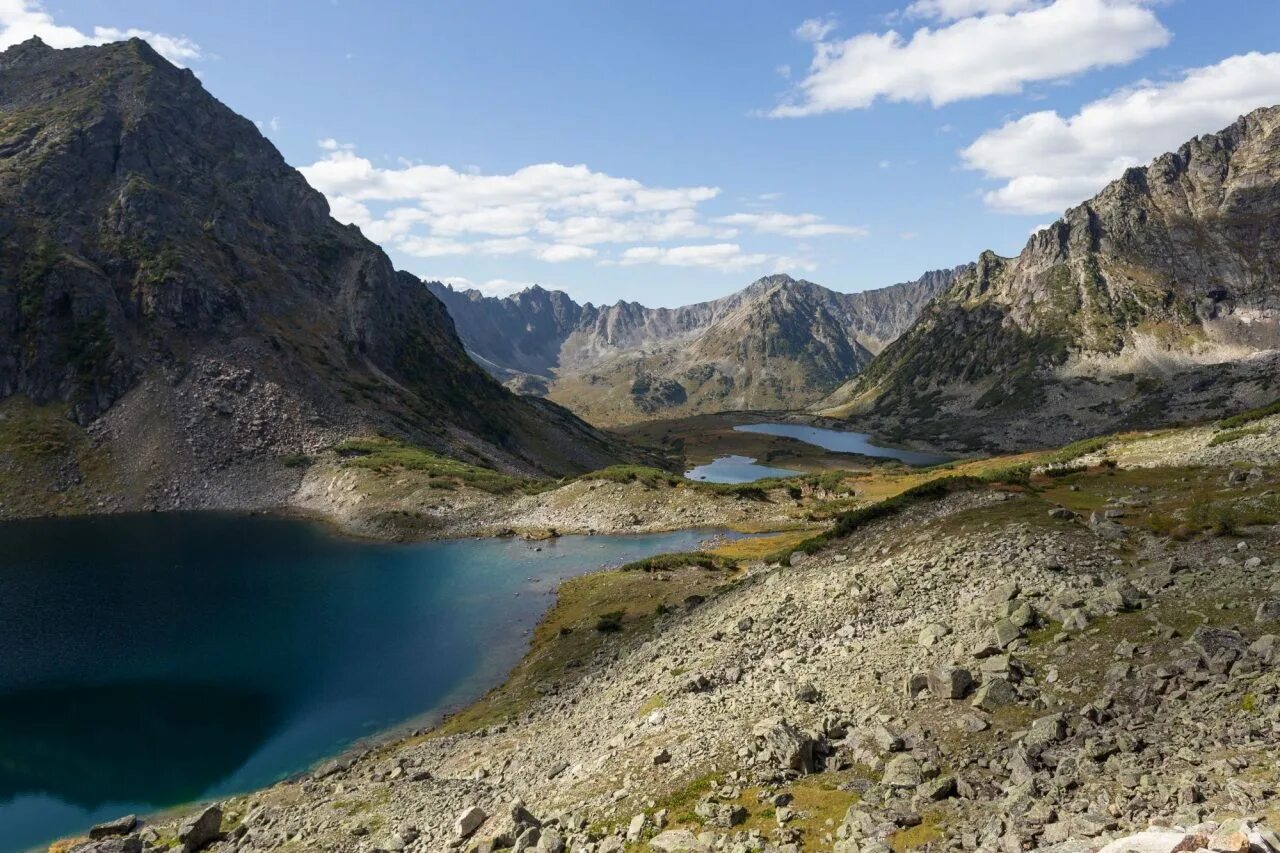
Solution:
(1233, 435)
(611, 622)
(1250, 416)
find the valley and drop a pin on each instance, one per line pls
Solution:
(302, 551)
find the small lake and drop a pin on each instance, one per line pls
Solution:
(149, 660)
(735, 469)
(844, 442)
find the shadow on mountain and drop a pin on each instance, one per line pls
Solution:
(144, 742)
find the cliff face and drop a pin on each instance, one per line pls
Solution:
(779, 343)
(1157, 300)
(172, 283)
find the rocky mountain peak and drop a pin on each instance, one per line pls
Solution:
(1158, 298)
(162, 245)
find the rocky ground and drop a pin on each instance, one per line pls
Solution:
(403, 505)
(1053, 665)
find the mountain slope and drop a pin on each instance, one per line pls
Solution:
(779, 343)
(184, 296)
(1156, 301)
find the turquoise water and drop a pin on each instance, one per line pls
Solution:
(735, 469)
(156, 659)
(844, 442)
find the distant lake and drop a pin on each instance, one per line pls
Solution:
(735, 469)
(844, 442)
(150, 660)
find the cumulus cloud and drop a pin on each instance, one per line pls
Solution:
(1049, 162)
(997, 49)
(548, 212)
(22, 19)
(814, 29)
(792, 225)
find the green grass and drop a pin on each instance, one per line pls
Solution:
(680, 560)
(652, 477)
(387, 454)
(1234, 434)
(846, 523)
(1247, 417)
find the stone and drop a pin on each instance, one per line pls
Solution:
(1044, 732)
(902, 771)
(995, 693)
(551, 841)
(635, 830)
(130, 844)
(949, 682)
(201, 829)
(119, 826)
(1062, 513)
(724, 815)
(1268, 611)
(1005, 633)
(1075, 619)
(662, 756)
(1232, 836)
(1213, 642)
(676, 841)
(1154, 841)
(1121, 595)
(885, 740)
(468, 821)
(784, 746)
(932, 633)
(941, 788)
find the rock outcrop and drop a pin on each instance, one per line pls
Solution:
(1156, 301)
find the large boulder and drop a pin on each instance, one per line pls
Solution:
(780, 744)
(950, 682)
(119, 826)
(200, 830)
(468, 821)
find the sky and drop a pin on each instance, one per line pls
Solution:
(667, 151)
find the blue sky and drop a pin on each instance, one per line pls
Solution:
(669, 152)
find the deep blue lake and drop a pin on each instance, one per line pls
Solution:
(844, 442)
(150, 660)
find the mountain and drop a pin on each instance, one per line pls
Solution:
(779, 343)
(1156, 301)
(183, 295)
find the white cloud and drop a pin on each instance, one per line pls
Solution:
(492, 287)
(22, 19)
(975, 56)
(1049, 162)
(548, 211)
(814, 29)
(792, 225)
(952, 10)
(725, 257)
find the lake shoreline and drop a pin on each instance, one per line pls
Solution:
(489, 677)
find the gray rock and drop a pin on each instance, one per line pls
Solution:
(468, 821)
(995, 693)
(119, 826)
(1268, 611)
(676, 841)
(902, 771)
(200, 830)
(1213, 642)
(949, 682)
